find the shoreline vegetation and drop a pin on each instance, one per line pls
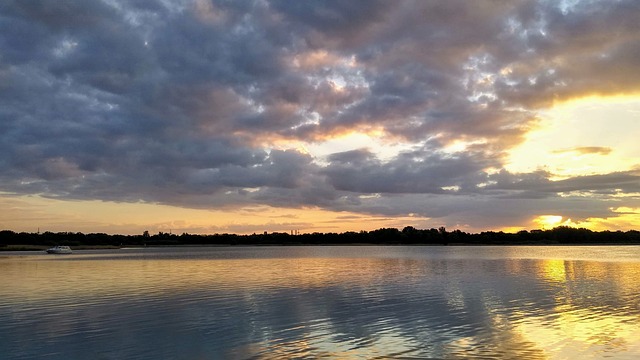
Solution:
(563, 235)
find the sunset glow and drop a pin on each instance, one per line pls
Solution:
(582, 137)
(211, 117)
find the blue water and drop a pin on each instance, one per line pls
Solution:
(322, 302)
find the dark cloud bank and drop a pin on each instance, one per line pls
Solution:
(178, 102)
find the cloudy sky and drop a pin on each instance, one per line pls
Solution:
(248, 116)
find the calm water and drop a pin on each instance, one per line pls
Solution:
(322, 302)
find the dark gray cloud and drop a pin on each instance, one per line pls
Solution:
(420, 171)
(181, 102)
(538, 182)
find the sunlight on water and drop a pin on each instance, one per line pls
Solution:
(323, 302)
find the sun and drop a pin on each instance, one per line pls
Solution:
(548, 221)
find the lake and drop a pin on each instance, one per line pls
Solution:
(359, 302)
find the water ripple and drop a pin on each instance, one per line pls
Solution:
(333, 303)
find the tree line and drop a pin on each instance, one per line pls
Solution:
(385, 236)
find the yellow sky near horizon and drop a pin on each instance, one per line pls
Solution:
(35, 213)
(586, 136)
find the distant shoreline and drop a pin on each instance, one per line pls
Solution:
(42, 248)
(408, 236)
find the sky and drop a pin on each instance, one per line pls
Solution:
(319, 116)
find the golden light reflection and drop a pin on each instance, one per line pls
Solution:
(554, 270)
(578, 334)
(581, 326)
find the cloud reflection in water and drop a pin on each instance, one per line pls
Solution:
(319, 302)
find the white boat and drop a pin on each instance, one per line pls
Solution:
(59, 249)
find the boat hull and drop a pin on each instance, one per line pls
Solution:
(59, 250)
